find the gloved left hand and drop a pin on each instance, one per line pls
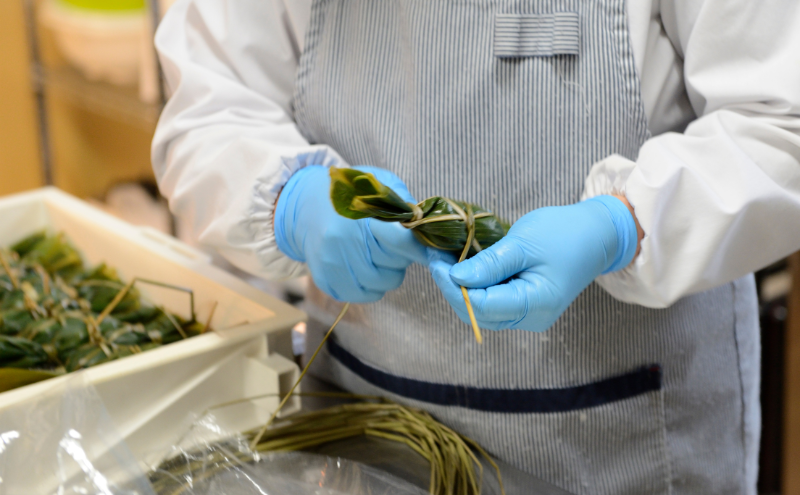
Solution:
(350, 260)
(527, 279)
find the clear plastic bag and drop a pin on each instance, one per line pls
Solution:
(64, 442)
(399, 460)
(286, 473)
(211, 459)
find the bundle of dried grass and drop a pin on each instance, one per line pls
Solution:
(455, 467)
(453, 462)
(454, 458)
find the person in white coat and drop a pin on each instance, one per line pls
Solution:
(648, 154)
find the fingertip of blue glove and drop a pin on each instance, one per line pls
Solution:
(445, 264)
(478, 272)
(625, 226)
(396, 239)
(463, 273)
(439, 255)
(439, 270)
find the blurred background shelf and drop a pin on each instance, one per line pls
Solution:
(92, 134)
(107, 100)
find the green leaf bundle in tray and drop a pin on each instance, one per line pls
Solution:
(56, 316)
(437, 222)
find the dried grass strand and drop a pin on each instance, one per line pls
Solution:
(257, 438)
(7, 268)
(470, 221)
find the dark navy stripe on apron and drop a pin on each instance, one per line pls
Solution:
(641, 381)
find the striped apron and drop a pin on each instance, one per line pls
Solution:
(508, 103)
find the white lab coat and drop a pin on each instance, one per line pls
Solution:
(716, 190)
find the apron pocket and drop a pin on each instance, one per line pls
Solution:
(618, 448)
(536, 35)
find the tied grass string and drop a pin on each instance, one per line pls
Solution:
(470, 238)
(468, 217)
(7, 268)
(257, 438)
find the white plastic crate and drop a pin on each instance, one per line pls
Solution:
(154, 396)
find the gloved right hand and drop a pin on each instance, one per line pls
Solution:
(527, 279)
(350, 260)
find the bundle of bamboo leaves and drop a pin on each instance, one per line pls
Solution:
(56, 316)
(437, 222)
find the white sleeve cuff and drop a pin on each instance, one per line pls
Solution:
(610, 176)
(256, 228)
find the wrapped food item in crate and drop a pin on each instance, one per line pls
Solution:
(151, 394)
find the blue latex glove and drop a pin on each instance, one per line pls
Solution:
(350, 260)
(528, 278)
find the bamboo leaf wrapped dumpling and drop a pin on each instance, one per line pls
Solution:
(17, 352)
(54, 253)
(437, 222)
(101, 285)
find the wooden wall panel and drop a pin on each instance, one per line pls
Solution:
(791, 446)
(90, 152)
(19, 142)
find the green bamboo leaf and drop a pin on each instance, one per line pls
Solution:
(56, 255)
(143, 314)
(101, 285)
(14, 299)
(14, 321)
(54, 313)
(357, 194)
(16, 352)
(161, 330)
(42, 331)
(443, 223)
(27, 244)
(86, 356)
(72, 333)
(11, 378)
